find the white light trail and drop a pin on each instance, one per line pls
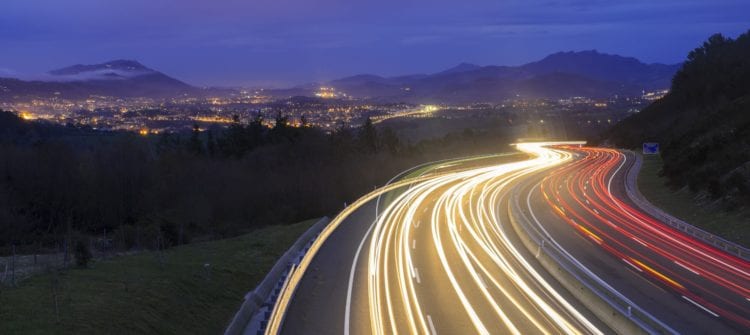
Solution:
(496, 287)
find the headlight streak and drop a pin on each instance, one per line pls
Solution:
(465, 223)
(276, 319)
(460, 214)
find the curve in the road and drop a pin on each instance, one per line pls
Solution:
(440, 257)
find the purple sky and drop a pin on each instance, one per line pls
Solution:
(284, 42)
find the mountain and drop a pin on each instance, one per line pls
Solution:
(463, 67)
(117, 68)
(703, 123)
(605, 67)
(563, 74)
(120, 78)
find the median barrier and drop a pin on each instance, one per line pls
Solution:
(611, 307)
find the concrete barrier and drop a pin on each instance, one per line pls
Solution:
(611, 307)
(257, 297)
(635, 195)
(609, 315)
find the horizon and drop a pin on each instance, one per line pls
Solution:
(47, 76)
(273, 44)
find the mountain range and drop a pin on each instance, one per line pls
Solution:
(119, 78)
(563, 74)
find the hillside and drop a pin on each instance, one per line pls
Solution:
(703, 123)
(120, 78)
(190, 289)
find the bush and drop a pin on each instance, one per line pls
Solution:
(82, 254)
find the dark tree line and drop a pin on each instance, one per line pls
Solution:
(703, 123)
(57, 183)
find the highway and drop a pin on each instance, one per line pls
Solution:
(436, 254)
(694, 287)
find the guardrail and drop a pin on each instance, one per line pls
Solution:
(612, 308)
(631, 188)
(259, 302)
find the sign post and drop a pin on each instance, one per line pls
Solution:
(650, 148)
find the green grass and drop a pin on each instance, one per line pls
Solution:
(136, 294)
(733, 226)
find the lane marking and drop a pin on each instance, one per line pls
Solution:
(641, 242)
(432, 326)
(413, 244)
(701, 306)
(416, 275)
(687, 268)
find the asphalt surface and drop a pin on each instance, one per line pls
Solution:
(668, 275)
(440, 257)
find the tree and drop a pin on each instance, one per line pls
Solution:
(195, 145)
(234, 142)
(281, 129)
(82, 254)
(210, 143)
(390, 141)
(368, 137)
(342, 138)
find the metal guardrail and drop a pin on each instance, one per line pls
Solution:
(259, 302)
(631, 188)
(586, 277)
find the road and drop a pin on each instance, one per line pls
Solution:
(441, 257)
(693, 287)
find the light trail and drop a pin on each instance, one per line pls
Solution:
(710, 279)
(465, 262)
(440, 258)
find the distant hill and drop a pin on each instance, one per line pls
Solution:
(463, 67)
(704, 121)
(120, 78)
(563, 74)
(109, 70)
(606, 68)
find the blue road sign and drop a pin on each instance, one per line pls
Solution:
(650, 148)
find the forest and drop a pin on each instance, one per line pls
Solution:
(61, 184)
(703, 123)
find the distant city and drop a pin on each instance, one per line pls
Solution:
(328, 109)
(592, 88)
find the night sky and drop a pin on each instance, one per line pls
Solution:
(285, 42)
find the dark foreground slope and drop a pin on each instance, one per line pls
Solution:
(703, 123)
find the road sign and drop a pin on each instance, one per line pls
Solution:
(650, 148)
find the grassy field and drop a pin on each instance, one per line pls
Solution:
(145, 293)
(733, 226)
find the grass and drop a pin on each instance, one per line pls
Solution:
(140, 294)
(733, 226)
